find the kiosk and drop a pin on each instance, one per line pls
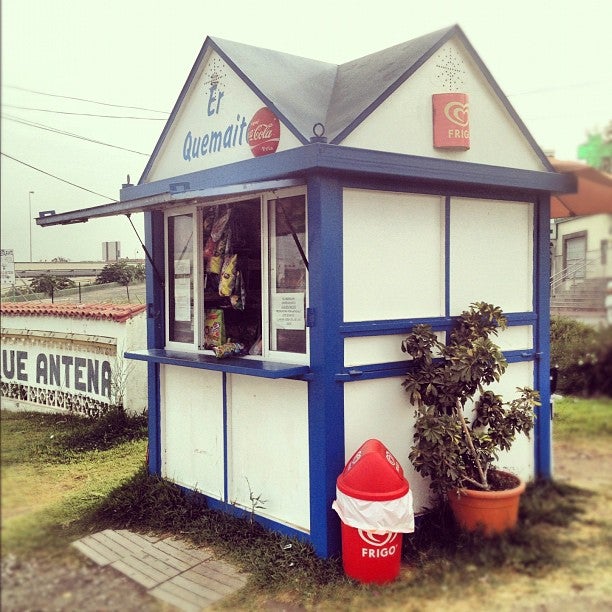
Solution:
(300, 218)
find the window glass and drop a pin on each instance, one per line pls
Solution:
(575, 256)
(288, 267)
(237, 277)
(231, 253)
(181, 276)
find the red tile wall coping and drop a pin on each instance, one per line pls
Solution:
(112, 312)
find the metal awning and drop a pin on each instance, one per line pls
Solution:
(164, 200)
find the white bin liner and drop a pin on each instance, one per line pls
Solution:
(378, 516)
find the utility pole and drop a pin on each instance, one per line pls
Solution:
(30, 220)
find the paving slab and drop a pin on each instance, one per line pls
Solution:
(171, 570)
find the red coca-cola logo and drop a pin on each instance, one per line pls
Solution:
(263, 133)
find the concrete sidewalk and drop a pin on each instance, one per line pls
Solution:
(172, 570)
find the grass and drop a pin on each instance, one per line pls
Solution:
(66, 477)
(584, 418)
(56, 468)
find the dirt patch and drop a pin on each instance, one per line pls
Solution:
(74, 583)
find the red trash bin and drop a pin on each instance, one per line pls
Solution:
(374, 502)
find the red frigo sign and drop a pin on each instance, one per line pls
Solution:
(451, 121)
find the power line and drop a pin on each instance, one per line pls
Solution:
(44, 93)
(47, 110)
(19, 161)
(55, 130)
(557, 88)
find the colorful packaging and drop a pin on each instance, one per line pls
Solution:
(228, 349)
(214, 265)
(214, 328)
(228, 275)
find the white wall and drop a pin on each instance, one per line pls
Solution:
(597, 228)
(94, 339)
(491, 254)
(394, 268)
(192, 428)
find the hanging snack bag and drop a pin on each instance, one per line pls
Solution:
(228, 275)
(213, 265)
(209, 248)
(214, 328)
(220, 225)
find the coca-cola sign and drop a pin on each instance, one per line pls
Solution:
(263, 133)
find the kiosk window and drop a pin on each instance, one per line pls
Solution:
(237, 277)
(180, 272)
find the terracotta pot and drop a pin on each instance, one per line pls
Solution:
(492, 511)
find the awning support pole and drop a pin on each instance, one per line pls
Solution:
(157, 274)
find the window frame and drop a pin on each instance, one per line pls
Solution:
(173, 344)
(196, 209)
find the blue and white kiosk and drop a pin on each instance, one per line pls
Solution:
(308, 215)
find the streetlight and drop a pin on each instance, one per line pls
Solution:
(30, 220)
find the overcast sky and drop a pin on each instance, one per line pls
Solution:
(552, 59)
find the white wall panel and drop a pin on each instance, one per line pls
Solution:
(393, 255)
(491, 254)
(380, 409)
(362, 350)
(515, 338)
(268, 441)
(192, 428)
(520, 459)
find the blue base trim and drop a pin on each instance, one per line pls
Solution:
(242, 513)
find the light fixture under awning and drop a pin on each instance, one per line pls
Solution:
(163, 200)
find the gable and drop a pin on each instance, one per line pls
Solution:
(217, 120)
(402, 122)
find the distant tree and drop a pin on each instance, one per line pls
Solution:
(597, 150)
(121, 272)
(60, 259)
(49, 284)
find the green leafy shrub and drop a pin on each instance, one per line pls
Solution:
(49, 283)
(583, 357)
(443, 379)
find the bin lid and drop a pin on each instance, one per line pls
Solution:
(373, 474)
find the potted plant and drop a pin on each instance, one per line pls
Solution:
(461, 427)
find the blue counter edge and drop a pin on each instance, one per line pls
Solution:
(231, 365)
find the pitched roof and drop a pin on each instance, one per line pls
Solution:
(361, 85)
(298, 88)
(112, 312)
(303, 92)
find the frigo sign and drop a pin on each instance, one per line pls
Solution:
(76, 372)
(378, 545)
